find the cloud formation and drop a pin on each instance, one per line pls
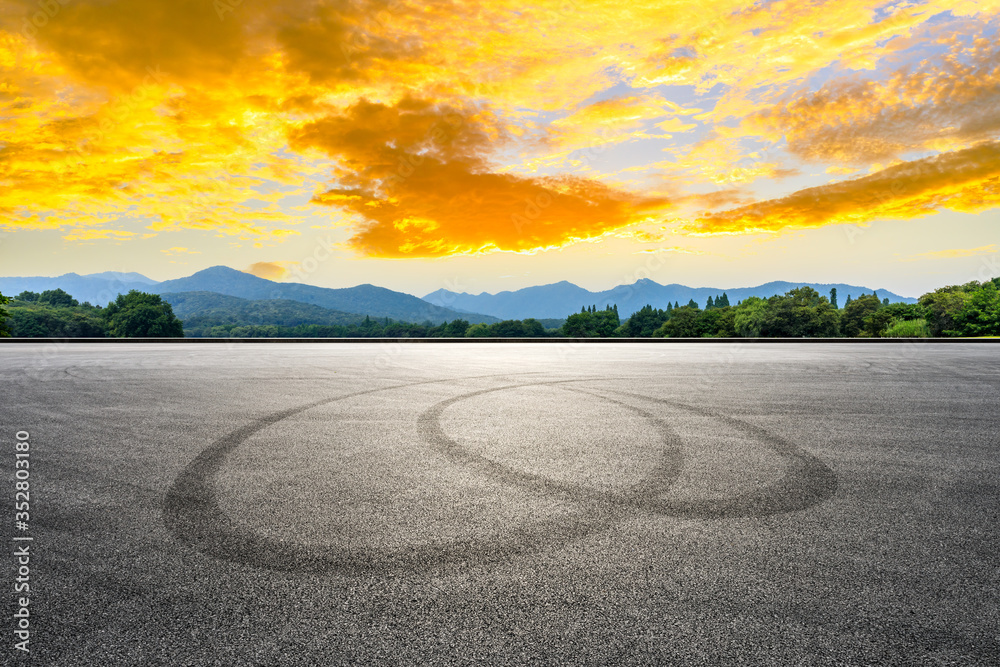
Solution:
(438, 127)
(950, 101)
(418, 176)
(967, 180)
(956, 253)
(268, 270)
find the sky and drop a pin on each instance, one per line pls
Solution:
(487, 146)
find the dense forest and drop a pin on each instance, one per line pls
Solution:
(968, 310)
(56, 314)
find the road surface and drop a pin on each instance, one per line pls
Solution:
(506, 504)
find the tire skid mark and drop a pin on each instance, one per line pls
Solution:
(663, 475)
(191, 512)
(806, 482)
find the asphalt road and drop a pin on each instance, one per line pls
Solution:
(505, 504)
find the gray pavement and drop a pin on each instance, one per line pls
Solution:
(506, 503)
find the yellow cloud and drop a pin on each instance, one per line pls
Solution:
(426, 167)
(170, 114)
(955, 253)
(966, 180)
(269, 270)
(675, 249)
(97, 234)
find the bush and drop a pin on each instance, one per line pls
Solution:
(907, 329)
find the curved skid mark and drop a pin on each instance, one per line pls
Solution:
(192, 513)
(806, 482)
(666, 471)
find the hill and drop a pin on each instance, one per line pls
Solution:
(564, 298)
(200, 311)
(362, 300)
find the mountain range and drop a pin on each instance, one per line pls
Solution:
(554, 301)
(355, 302)
(364, 299)
(564, 298)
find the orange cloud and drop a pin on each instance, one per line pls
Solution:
(418, 176)
(966, 180)
(214, 115)
(268, 270)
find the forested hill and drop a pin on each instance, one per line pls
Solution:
(376, 302)
(564, 298)
(202, 312)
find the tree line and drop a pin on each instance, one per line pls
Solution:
(56, 314)
(972, 309)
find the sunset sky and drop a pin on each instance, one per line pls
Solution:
(483, 146)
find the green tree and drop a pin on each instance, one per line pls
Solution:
(800, 313)
(749, 317)
(852, 322)
(533, 328)
(980, 316)
(28, 297)
(579, 325)
(717, 322)
(943, 304)
(644, 322)
(833, 298)
(607, 322)
(592, 323)
(507, 329)
(141, 315)
(478, 330)
(691, 304)
(57, 297)
(456, 328)
(684, 323)
(710, 303)
(722, 302)
(4, 331)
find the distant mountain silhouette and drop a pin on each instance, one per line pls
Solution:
(118, 276)
(98, 288)
(564, 298)
(362, 300)
(554, 301)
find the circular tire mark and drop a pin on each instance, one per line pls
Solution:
(192, 512)
(806, 482)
